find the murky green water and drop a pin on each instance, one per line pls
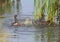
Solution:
(23, 9)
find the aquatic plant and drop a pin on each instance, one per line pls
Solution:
(51, 9)
(39, 8)
(36, 4)
(5, 6)
(58, 16)
(51, 6)
(18, 6)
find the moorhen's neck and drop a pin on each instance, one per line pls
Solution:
(15, 18)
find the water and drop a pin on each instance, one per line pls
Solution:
(25, 8)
